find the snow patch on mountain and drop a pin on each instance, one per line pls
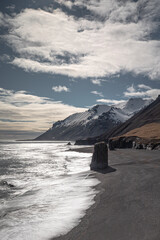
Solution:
(118, 115)
(84, 117)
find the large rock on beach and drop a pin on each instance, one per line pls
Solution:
(100, 156)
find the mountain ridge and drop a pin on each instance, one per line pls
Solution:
(93, 122)
(149, 115)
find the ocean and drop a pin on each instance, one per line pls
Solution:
(44, 189)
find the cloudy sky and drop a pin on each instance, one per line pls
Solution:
(58, 57)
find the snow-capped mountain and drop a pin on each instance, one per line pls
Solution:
(93, 122)
(133, 105)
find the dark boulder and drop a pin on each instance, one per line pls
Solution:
(100, 156)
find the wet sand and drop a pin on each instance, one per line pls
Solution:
(128, 204)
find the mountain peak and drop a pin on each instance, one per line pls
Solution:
(93, 122)
(135, 104)
(99, 109)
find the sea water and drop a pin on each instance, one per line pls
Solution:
(51, 189)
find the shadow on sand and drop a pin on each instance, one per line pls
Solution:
(106, 170)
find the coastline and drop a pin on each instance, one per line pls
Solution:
(83, 149)
(127, 205)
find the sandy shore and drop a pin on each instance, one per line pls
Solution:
(128, 204)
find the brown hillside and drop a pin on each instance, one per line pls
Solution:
(148, 131)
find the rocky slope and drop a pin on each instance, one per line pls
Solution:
(95, 121)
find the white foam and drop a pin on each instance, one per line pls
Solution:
(52, 191)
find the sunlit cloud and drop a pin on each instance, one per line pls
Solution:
(110, 101)
(60, 89)
(23, 111)
(56, 43)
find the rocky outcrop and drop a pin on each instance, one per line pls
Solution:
(121, 142)
(134, 142)
(100, 156)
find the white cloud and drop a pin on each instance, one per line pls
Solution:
(110, 101)
(143, 86)
(124, 11)
(97, 81)
(56, 43)
(26, 112)
(131, 89)
(68, 4)
(60, 89)
(147, 92)
(97, 93)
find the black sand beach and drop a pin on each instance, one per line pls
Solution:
(128, 204)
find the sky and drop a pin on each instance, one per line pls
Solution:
(59, 57)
